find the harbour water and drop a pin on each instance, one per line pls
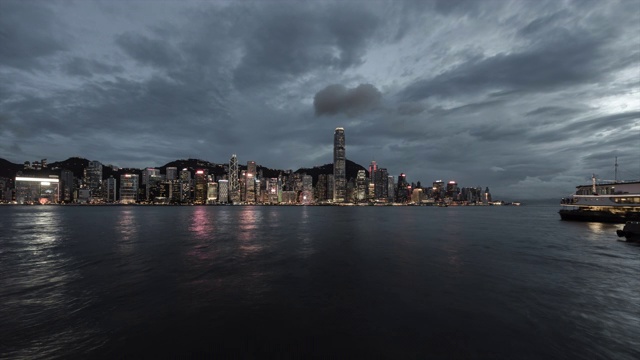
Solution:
(314, 282)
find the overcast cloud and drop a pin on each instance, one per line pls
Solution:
(528, 98)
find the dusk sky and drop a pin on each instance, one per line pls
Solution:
(528, 98)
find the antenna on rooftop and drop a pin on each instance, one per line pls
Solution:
(616, 171)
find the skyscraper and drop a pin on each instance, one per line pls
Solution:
(172, 173)
(339, 166)
(201, 186)
(234, 184)
(129, 188)
(93, 178)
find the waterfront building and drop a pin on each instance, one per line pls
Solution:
(37, 189)
(417, 196)
(67, 186)
(321, 188)
(110, 190)
(174, 191)
(361, 187)
(212, 192)
(339, 166)
(83, 196)
(147, 174)
(306, 196)
(273, 190)
(129, 184)
(223, 191)
(234, 184)
(452, 189)
(289, 197)
(93, 179)
(401, 193)
(381, 185)
(200, 193)
(250, 182)
(487, 196)
(373, 167)
(391, 189)
(172, 173)
(438, 190)
(185, 186)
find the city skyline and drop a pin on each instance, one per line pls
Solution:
(528, 97)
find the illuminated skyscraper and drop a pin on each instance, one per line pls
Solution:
(372, 172)
(361, 186)
(402, 189)
(339, 166)
(129, 188)
(250, 182)
(200, 196)
(93, 178)
(381, 184)
(234, 184)
(223, 191)
(212, 192)
(185, 186)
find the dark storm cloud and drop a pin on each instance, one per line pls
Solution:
(78, 66)
(410, 108)
(566, 58)
(290, 42)
(148, 51)
(336, 99)
(28, 34)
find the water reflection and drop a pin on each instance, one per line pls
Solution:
(128, 230)
(304, 234)
(203, 228)
(37, 285)
(249, 222)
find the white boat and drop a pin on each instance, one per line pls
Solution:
(614, 202)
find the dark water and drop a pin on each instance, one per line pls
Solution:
(315, 282)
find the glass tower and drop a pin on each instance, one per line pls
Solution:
(339, 166)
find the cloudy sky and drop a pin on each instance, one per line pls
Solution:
(527, 97)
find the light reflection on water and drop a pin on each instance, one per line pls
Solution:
(128, 231)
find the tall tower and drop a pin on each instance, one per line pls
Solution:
(339, 166)
(234, 185)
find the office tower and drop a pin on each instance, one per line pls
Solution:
(438, 190)
(272, 190)
(452, 189)
(391, 189)
(129, 188)
(172, 173)
(234, 184)
(372, 172)
(381, 184)
(321, 188)
(307, 190)
(111, 191)
(223, 191)
(200, 193)
(185, 186)
(361, 186)
(67, 185)
(212, 192)
(487, 195)
(330, 187)
(402, 188)
(339, 166)
(250, 182)
(93, 179)
(37, 189)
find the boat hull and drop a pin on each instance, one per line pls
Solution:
(598, 216)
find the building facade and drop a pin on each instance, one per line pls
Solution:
(339, 166)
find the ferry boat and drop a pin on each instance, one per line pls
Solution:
(612, 202)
